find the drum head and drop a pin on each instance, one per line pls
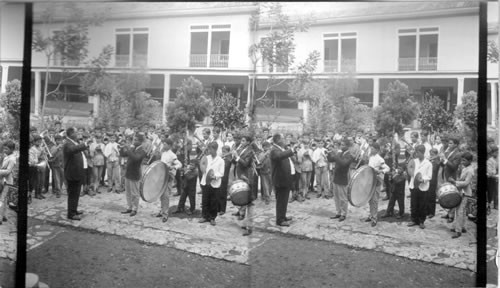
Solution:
(154, 181)
(361, 186)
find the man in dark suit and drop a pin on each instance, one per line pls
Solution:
(343, 160)
(75, 164)
(450, 160)
(282, 171)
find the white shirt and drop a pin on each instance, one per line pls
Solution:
(318, 157)
(377, 162)
(425, 168)
(217, 165)
(428, 148)
(169, 158)
(111, 151)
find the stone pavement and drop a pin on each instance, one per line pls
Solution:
(8, 236)
(224, 241)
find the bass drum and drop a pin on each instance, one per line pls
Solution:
(449, 196)
(239, 192)
(361, 186)
(154, 181)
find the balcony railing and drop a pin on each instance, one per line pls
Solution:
(331, 65)
(198, 60)
(219, 60)
(407, 64)
(427, 63)
(348, 65)
(58, 61)
(122, 60)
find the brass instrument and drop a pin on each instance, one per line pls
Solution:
(203, 150)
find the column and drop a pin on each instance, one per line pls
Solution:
(38, 91)
(249, 97)
(166, 97)
(494, 99)
(460, 90)
(304, 105)
(5, 73)
(376, 92)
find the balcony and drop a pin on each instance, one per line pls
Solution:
(331, 65)
(407, 64)
(348, 65)
(219, 60)
(122, 60)
(427, 63)
(198, 60)
(138, 60)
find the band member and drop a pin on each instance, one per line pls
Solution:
(56, 163)
(419, 186)
(464, 186)
(217, 138)
(6, 176)
(343, 161)
(492, 173)
(398, 183)
(75, 164)
(168, 157)
(282, 173)
(189, 177)
(135, 154)
(450, 160)
(112, 153)
(222, 196)
(431, 199)
(242, 159)
(378, 164)
(211, 181)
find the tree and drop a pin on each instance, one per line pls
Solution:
(433, 115)
(11, 102)
(466, 115)
(115, 111)
(68, 44)
(275, 51)
(191, 105)
(226, 113)
(397, 110)
(492, 55)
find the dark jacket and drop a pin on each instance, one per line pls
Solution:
(342, 162)
(135, 159)
(243, 167)
(450, 169)
(281, 171)
(73, 161)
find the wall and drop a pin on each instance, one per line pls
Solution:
(11, 32)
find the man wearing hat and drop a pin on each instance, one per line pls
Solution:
(75, 164)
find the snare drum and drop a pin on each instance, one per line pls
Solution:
(239, 192)
(449, 196)
(362, 186)
(154, 181)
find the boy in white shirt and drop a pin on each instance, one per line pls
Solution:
(321, 170)
(419, 185)
(378, 164)
(112, 153)
(211, 182)
(168, 157)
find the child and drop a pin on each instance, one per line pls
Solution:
(378, 164)
(168, 157)
(306, 165)
(464, 185)
(431, 197)
(222, 196)
(265, 171)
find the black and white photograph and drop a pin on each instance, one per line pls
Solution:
(251, 144)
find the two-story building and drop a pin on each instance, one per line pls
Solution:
(426, 45)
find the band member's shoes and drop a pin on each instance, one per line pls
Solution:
(421, 225)
(284, 224)
(241, 217)
(450, 220)
(79, 212)
(133, 213)
(176, 194)
(203, 220)
(457, 234)
(412, 224)
(342, 218)
(291, 199)
(367, 219)
(385, 199)
(288, 219)
(158, 215)
(4, 219)
(178, 211)
(463, 230)
(374, 223)
(236, 214)
(336, 216)
(58, 195)
(266, 201)
(445, 216)
(39, 196)
(247, 232)
(212, 222)
(221, 213)
(319, 195)
(127, 211)
(75, 217)
(307, 197)
(386, 215)
(164, 219)
(430, 216)
(189, 212)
